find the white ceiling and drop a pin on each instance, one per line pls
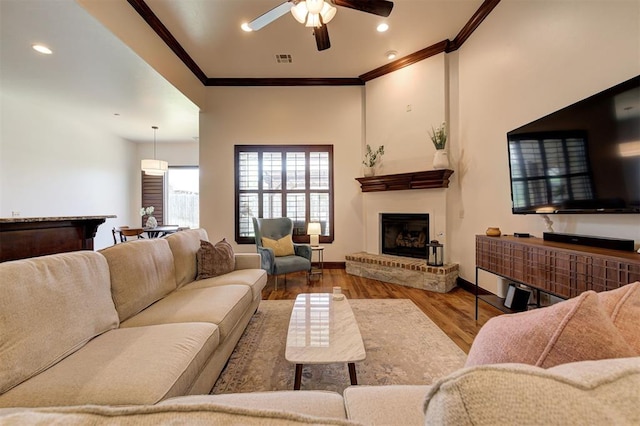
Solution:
(93, 75)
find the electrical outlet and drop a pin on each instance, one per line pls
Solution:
(15, 214)
(408, 107)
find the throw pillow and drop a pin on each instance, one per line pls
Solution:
(574, 330)
(281, 247)
(623, 306)
(214, 260)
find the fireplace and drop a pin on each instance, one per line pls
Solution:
(404, 234)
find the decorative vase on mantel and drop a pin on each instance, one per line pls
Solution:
(369, 171)
(151, 222)
(440, 159)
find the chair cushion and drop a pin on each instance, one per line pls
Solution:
(369, 405)
(142, 272)
(184, 246)
(223, 306)
(601, 392)
(50, 307)
(574, 330)
(126, 366)
(286, 264)
(281, 247)
(623, 306)
(214, 260)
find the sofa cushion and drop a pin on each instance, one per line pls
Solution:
(573, 330)
(223, 306)
(126, 366)
(254, 278)
(281, 247)
(50, 306)
(370, 405)
(213, 260)
(313, 403)
(623, 306)
(601, 392)
(142, 272)
(174, 414)
(184, 246)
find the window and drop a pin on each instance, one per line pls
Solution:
(175, 196)
(183, 197)
(294, 181)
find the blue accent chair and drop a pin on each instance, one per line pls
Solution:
(282, 265)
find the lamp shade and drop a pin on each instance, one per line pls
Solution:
(154, 167)
(314, 230)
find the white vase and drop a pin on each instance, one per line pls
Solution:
(369, 171)
(440, 159)
(151, 222)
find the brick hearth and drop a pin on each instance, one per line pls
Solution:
(403, 270)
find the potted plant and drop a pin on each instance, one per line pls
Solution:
(439, 138)
(371, 158)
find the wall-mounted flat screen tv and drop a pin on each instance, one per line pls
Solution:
(584, 158)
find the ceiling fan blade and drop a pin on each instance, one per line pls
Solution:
(322, 37)
(377, 7)
(270, 16)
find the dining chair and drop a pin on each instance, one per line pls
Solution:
(276, 229)
(123, 232)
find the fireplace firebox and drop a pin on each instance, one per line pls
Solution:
(404, 234)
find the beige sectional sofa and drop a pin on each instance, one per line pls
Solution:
(126, 336)
(126, 325)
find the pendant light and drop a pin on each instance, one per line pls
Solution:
(154, 167)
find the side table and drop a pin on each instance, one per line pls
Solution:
(320, 267)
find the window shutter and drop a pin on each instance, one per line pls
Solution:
(153, 195)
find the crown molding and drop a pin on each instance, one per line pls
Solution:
(445, 46)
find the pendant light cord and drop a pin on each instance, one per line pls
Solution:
(155, 128)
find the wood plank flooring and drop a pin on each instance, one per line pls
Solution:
(453, 312)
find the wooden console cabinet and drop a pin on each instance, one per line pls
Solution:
(563, 270)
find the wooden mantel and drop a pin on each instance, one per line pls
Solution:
(414, 180)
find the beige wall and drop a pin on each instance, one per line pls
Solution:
(528, 59)
(400, 109)
(282, 115)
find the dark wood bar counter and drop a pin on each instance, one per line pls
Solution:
(23, 237)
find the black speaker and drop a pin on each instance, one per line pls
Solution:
(517, 298)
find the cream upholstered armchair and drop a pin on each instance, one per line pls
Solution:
(278, 253)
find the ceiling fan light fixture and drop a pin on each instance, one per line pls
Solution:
(315, 6)
(313, 20)
(327, 13)
(300, 11)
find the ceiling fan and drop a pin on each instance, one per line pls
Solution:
(317, 14)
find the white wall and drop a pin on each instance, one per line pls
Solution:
(53, 165)
(527, 59)
(401, 109)
(282, 115)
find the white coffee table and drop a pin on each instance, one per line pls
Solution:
(323, 331)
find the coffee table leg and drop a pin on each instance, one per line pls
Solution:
(298, 378)
(352, 373)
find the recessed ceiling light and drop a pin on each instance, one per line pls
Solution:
(382, 28)
(245, 27)
(391, 54)
(42, 49)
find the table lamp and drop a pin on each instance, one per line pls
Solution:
(314, 231)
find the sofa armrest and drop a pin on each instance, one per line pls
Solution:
(247, 261)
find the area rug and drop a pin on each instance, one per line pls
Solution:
(403, 347)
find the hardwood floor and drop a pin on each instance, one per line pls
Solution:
(453, 312)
